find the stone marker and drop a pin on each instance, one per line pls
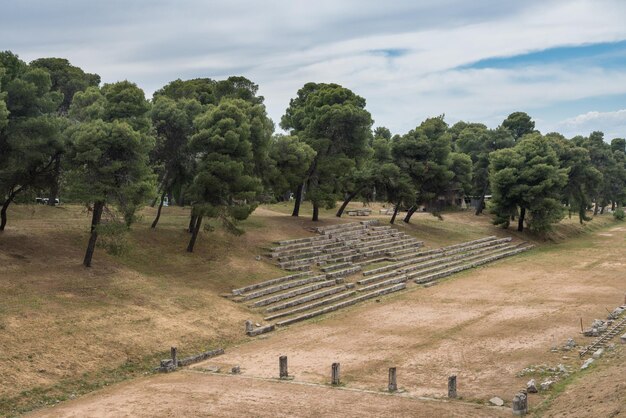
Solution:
(334, 377)
(586, 364)
(282, 362)
(452, 386)
(546, 384)
(249, 326)
(520, 404)
(496, 401)
(393, 386)
(598, 353)
(173, 351)
(531, 386)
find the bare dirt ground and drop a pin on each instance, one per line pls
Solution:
(483, 325)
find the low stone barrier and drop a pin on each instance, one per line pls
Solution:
(269, 282)
(261, 330)
(171, 364)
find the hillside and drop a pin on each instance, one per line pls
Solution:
(67, 330)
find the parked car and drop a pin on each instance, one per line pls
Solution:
(45, 200)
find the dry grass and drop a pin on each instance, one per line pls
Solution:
(68, 330)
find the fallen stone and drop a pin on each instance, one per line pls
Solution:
(531, 386)
(235, 370)
(496, 401)
(570, 344)
(212, 369)
(257, 325)
(586, 364)
(598, 353)
(562, 369)
(623, 339)
(546, 385)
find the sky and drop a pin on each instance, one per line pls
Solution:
(562, 62)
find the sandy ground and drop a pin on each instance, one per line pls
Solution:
(189, 394)
(485, 326)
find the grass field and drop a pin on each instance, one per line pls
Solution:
(66, 330)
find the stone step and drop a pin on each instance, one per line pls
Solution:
(269, 282)
(322, 229)
(399, 244)
(399, 279)
(278, 252)
(323, 302)
(433, 254)
(452, 248)
(449, 258)
(303, 261)
(452, 262)
(298, 268)
(336, 266)
(296, 292)
(305, 240)
(343, 229)
(468, 266)
(340, 259)
(385, 240)
(309, 297)
(300, 256)
(284, 286)
(343, 272)
(349, 302)
(381, 276)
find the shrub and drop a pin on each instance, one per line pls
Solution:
(619, 214)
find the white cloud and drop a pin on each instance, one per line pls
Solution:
(283, 44)
(613, 124)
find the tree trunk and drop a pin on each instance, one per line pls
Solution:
(595, 208)
(5, 206)
(192, 223)
(481, 203)
(158, 215)
(410, 213)
(95, 221)
(602, 210)
(316, 212)
(612, 205)
(395, 213)
(3, 214)
(159, 189)
(196, 230)
(54, 187)
(345, 203)
(296, 205)
(520, 222)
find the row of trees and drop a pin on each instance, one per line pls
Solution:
(210, 144)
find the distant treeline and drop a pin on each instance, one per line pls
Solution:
(209, 144)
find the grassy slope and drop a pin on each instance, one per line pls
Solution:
(66, 330)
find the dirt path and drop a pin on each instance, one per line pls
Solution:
(189, 394)
(484, 326)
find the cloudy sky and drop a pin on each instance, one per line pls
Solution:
(563, 62)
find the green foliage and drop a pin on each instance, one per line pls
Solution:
(619, 214)
(333, 121)
(66, 78)
(527, 177)
(424, 155)
(519, 123)
(290, 159)
(224, 183)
